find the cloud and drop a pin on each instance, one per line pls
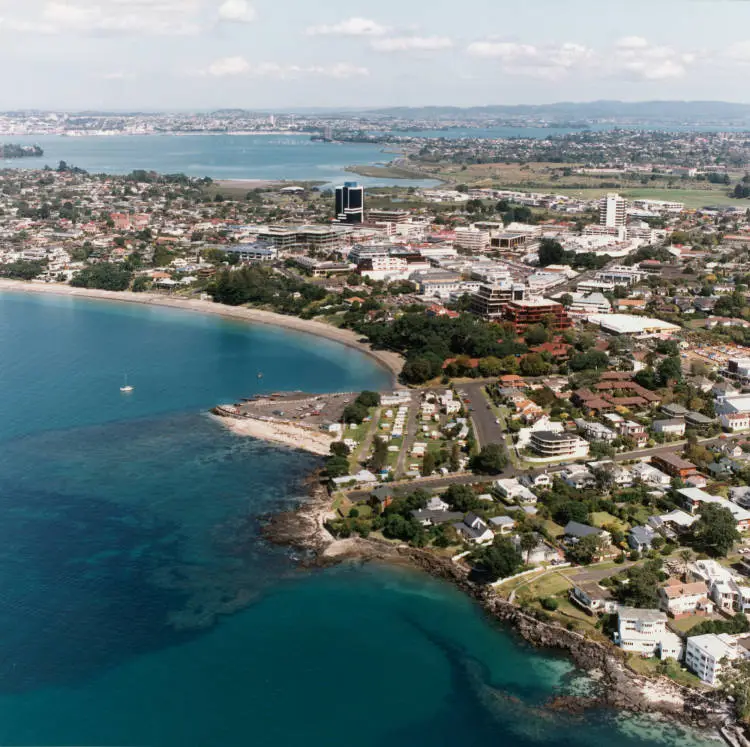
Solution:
(637, 58)
(349, 27)
(239, 66)
(412, 44)
(239, 11)
(552, 61)
(739, 51)
(632, 42)
(108, 17)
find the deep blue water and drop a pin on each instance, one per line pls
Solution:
(269, 157)
(138, 603)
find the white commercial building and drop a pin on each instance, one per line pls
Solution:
(612, 210)
(629, 324)
(472, 239)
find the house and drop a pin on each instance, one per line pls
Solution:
(674, 410)
(735, 421)
(673, 465)
(640, 538)
(430, 517)
(650, 475)
(695, 497)
(437, 504)
(474, 529)
(595, 431)
(575, 531)
(578, 477)
(615, 473)
(723, 588)
(363, 477)
(644, 632)
(706, 655)
(674, 523)
(542, 552)
(679, 599)
(593, 598)
(503, 524)
(698, 420)
(512, 489)
(542, 480)
(671, 427)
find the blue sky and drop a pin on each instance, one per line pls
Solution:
(187, 54)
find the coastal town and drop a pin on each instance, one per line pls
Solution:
(569, 421)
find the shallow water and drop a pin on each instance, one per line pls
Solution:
(138, 603)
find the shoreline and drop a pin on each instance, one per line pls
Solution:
(391, 362)
(619, 687)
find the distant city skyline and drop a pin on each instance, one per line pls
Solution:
(202, 54)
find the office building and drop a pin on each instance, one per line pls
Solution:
(531, 311)
(350, 203)
(612, 211)
(491, 300)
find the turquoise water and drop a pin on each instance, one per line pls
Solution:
(272, 157)
(138, 603)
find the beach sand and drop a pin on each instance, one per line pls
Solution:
(393, 362)
(286, 434)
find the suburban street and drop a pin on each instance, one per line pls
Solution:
(486, 429)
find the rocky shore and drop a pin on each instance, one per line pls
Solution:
(619, 687)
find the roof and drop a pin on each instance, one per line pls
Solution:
(574, 529)
(673, 460)
(676, 590)
(502, 521)
(644, 535)
(635, 613)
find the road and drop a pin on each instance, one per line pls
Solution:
(412, 423)
(486, 429)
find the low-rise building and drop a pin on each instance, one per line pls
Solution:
(680, 599)
(593, 598)
(674, 465)
(640, 538)
(670, 427)
(706, 655)
(558, 445)
(474, 529)
(644, 632)
(512, 489)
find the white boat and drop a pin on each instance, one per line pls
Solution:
(125, 388)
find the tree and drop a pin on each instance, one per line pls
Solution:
(339, 448)
(500, 559)
(536, 335)
(686, 556)
(105, 275)
(455, 457)
(641, 589)
(337, 466)
(715, 532)
(528, 542)
(491, 366)
(670, 369)
(369, 399)
(428, 464)
(491, 460)
(534, 365)
(461, 498)
(379, 454)
(734, 683)
(551, 252)
(566, 300)
(585, 550)
(355, 412)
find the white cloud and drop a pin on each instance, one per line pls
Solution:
(158, 17)
(237, 10)
(239, 66)
(549, 62)
(229, 66)
(349, 27)
(739, 51)
(412, 44)
(632, 42)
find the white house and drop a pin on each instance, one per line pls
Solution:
(671, 427)
(678, 599)
(649, 475)
(645, 632)
(735, 421)
(512, 489)
(706, 655)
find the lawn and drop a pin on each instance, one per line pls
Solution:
(600, 518)
(555, 530)
(549, 586)
(651, 667)
(686, 623)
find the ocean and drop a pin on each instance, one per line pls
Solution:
(267, 157)
(139, 604)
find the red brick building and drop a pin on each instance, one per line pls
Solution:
(527, 313)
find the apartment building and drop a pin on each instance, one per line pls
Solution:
(491, 299)
(612, 209)
(531, 311)
(558, 445)
(706, 655)
(472, 239)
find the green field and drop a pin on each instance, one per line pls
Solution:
(693, 198)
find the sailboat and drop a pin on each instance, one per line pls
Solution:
(125, 388)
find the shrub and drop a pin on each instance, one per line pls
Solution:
(550, 604)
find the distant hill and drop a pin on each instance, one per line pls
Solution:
(693, 112)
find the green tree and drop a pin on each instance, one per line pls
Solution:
(428, 464)
(491, 460)
(528, 542)
(339, 448)
(641, 589)
(379, 454)
(455, 457)
(670, 369)
(337, 466)
(551, 252)
(500, 559)
(586, 550)
(536, 335)
(715, 532)
(534, 365)
(461, 498)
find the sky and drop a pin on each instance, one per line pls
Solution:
(284, 54)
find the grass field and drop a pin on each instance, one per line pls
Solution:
(600, 518)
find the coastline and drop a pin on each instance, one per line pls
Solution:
(391, 362)
(618, 686)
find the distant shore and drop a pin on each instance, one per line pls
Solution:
(390, 361)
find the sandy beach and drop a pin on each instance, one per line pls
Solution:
(388, 360)
(286, 434)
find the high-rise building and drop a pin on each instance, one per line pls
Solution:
(350, 203)
(612, 210)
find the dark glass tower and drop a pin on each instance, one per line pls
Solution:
(350, 203)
